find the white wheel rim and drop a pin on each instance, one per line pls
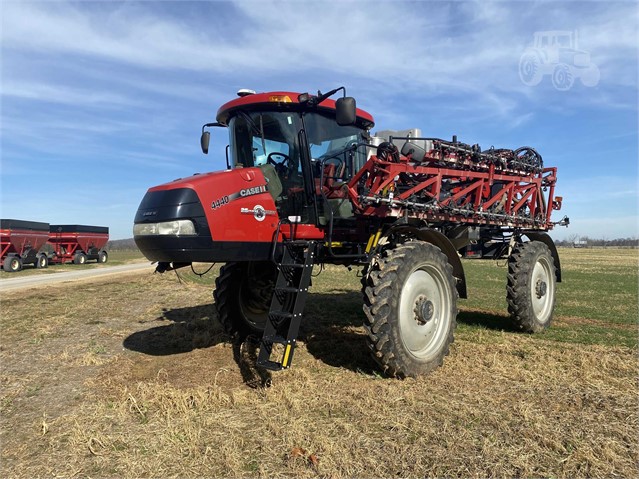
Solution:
(424, 312)
(542, 290)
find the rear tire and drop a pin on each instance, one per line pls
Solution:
(410, 303)
(80, 258)
(42, 261)
(531, 286)
(590, 76)
(243, 293)
(530, 71)
(12, 264)
(103, 257)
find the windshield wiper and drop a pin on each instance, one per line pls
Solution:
(254, 128)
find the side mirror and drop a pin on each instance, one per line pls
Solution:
(204, 141)
(345, 111)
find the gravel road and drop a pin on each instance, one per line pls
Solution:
(66, 276)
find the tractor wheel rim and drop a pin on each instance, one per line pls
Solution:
(254, 311)
(542, 290)
(254, 317)
(424, 312)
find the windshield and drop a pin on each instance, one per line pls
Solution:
(257, 136)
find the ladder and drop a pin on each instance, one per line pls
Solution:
(287, 304)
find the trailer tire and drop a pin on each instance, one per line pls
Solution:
(410, 303)
(530, 291)
(103, 257)
(42, 261)
(243, 292)
(79, 258)
(12, 264)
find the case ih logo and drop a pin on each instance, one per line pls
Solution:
(256, 190)
(258, 212)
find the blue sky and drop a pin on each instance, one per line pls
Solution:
(102, 100)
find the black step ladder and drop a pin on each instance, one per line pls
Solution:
(287, 304)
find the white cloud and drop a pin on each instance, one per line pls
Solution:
(469, 48)
(140, 39)
(61, 94)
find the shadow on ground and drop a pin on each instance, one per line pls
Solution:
(332, 330)
(197, 327)
(187, 329)
(497, 322)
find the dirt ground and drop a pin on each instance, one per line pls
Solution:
(133, 378)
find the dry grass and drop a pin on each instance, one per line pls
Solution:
(134, 379)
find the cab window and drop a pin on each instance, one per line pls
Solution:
(256, 136)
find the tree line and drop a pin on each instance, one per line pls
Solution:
(586, 242)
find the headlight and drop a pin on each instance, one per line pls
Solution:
(175, 228)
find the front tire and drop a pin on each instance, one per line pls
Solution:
(103, 257)
(243, 293)
(562, 77)
(590, 76)
(531, 286)
(410, 303)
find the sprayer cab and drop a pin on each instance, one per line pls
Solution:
(278, 143)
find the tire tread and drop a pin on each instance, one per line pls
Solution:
(520, 263)
(379, 285)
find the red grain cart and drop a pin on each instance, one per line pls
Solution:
(21, 242)
(78, 243)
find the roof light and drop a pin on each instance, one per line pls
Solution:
(245, 92)
(280, 98)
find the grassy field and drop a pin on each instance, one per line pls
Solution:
(132, 377)
(115, 258)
